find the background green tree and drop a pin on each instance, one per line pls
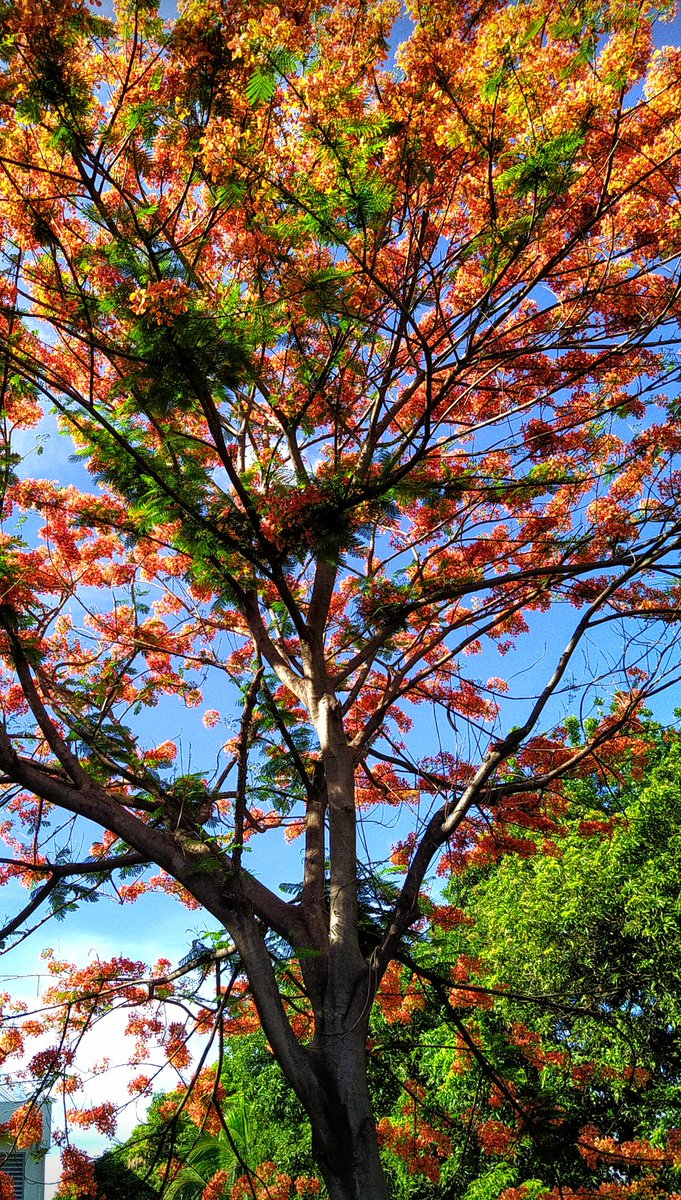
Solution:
(560, 1037)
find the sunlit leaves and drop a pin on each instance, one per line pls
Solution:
(546, 171)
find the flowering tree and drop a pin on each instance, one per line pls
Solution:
(369, 360)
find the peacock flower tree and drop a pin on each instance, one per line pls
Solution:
(365, 322)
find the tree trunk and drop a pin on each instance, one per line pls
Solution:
(330, 1076)
(344, 1136)
(362, 1180)
(348, 1155)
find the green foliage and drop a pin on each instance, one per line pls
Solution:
(262, 85)
(586, 942)
(490, 1184)
(265, 1123)
(174, 358)
(116, 1181)
(548, 171)
(210, 1153)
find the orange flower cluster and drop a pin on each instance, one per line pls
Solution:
(269, 1184)
(78, 1181)
(103, 1118)
(25, 1127)
(11, 1044)
(399, 995)
(215, 1189)
(597, 1148)
(448, 917)
(495, 1137)
(204, 1098)
(307, 1185)
(161, 301)
(420, 1143)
